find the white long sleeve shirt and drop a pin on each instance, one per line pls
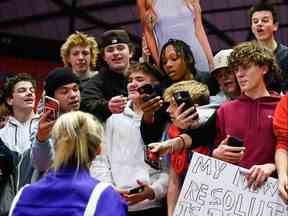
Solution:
(124, 149)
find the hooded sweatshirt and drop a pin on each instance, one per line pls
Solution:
(250, 120)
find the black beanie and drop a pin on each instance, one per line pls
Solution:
(59, 77)
(114, 37)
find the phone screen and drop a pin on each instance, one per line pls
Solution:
(235, 142)
(52, 105)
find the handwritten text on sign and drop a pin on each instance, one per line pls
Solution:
(216, 188)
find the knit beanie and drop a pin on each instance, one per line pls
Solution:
(59, 77)
(114, 36)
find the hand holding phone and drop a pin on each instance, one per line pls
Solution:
(147, 89)
(153, 155)
(52, 106)
(228, 153)
(136, 190)
(235, 142)
(151, 158)
(184, 97)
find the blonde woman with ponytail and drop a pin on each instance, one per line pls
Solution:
(68, 188)
(175, 19)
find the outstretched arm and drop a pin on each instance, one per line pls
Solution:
(200, 31)
(178, 143)
(148, 32)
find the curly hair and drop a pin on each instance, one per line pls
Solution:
(252, 52)
(81, 39)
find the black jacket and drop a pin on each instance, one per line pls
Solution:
(16, 171)
(281, 54)
(99, 90)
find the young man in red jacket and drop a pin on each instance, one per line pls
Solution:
(249, 117)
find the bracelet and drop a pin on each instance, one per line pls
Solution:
(182, 141)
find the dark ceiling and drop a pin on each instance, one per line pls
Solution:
(38, 27)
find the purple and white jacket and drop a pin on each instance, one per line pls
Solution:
(66, 192)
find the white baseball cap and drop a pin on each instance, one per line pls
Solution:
(220, 60)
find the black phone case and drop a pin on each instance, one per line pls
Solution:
(136, 190)
(235, 142)
(146, 89)
(184, 97)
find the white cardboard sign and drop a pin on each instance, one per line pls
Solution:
(215, 188)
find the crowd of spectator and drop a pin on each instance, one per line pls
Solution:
(119, 140)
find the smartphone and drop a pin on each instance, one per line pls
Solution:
(184, 97)
(145, 89)
(136, 190)
(151, 158)
(52, 105)
(235, 142)
(148, 90)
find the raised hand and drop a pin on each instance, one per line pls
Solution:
(45, 127)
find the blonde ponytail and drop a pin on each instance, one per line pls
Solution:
(77, 137)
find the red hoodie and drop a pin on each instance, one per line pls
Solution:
(251, 121)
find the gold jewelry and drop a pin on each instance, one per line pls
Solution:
(182, 142)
